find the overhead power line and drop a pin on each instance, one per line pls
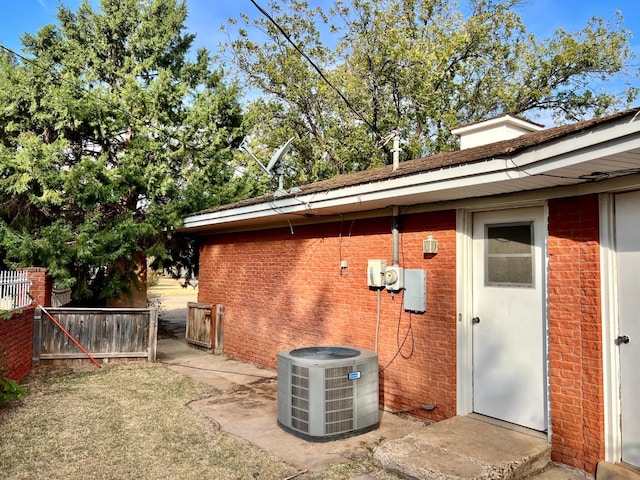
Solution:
(317, 69)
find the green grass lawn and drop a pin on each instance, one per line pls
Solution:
(121, 422)
(132, 421)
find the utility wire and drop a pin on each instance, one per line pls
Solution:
(317, 69)
(172, 137)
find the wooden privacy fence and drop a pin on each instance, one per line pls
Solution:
(103, 332)
(60, 297)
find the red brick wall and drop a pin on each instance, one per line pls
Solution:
(41, 284)
(16, 343)
(575, 331)
(16, 333)
(282, 290)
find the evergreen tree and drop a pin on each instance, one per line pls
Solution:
(111, 130)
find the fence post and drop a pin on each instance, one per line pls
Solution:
(218, 346)
(37, 339)
(153, 334)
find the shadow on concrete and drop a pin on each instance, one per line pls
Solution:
(246, 407)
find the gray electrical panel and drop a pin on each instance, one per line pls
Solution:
(415, 290)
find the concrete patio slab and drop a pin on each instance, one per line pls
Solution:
(464, 448)
(247, 408)
(460, 448)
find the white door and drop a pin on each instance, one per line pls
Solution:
(628, 341)
(509, 339)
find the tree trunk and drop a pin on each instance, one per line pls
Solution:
(135, 296)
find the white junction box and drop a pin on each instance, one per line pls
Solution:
(394, 278)
(376, 273)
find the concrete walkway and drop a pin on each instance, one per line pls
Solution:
(460, 448)
(247, 408)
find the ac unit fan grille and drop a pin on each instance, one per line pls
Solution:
(338, 400)
(300, 398)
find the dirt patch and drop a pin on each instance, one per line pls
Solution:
(248, 395)
(164, 330)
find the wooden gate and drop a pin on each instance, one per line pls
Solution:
(203, 329)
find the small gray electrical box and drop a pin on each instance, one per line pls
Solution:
(415, 290)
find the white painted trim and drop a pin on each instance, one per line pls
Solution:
(464, 345)
(497, 122)
(493, 202)
(610, 354)
(545, 312)
(575, 149)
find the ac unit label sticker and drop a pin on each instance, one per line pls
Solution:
(354, 375)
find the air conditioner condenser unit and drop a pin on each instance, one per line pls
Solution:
(328, 392)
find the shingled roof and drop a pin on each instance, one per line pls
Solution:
(439, 161)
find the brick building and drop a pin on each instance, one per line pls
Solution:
(529, 297)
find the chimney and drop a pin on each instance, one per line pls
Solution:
(496, 129)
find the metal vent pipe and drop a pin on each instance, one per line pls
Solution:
(395, 260)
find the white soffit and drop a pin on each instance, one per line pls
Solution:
(612, 147)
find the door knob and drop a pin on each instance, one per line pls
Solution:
(475, 320)
(622, 339)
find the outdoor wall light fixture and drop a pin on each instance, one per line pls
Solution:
(430, 245)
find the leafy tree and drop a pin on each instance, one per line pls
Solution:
(110, 132)
(419, 67)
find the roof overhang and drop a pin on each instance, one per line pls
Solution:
(611, 149)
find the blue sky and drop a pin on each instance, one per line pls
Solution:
(541, 17)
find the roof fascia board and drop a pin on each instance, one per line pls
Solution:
(533, 168)
(589, 147)
(231, 215)
(532, 197)
(511, 200)
(393, 190)
(348, 195)
(567, 151)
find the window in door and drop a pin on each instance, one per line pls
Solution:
(509, 255)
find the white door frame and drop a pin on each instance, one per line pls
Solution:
(464, 337)
(610, 353)
(464, 332)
